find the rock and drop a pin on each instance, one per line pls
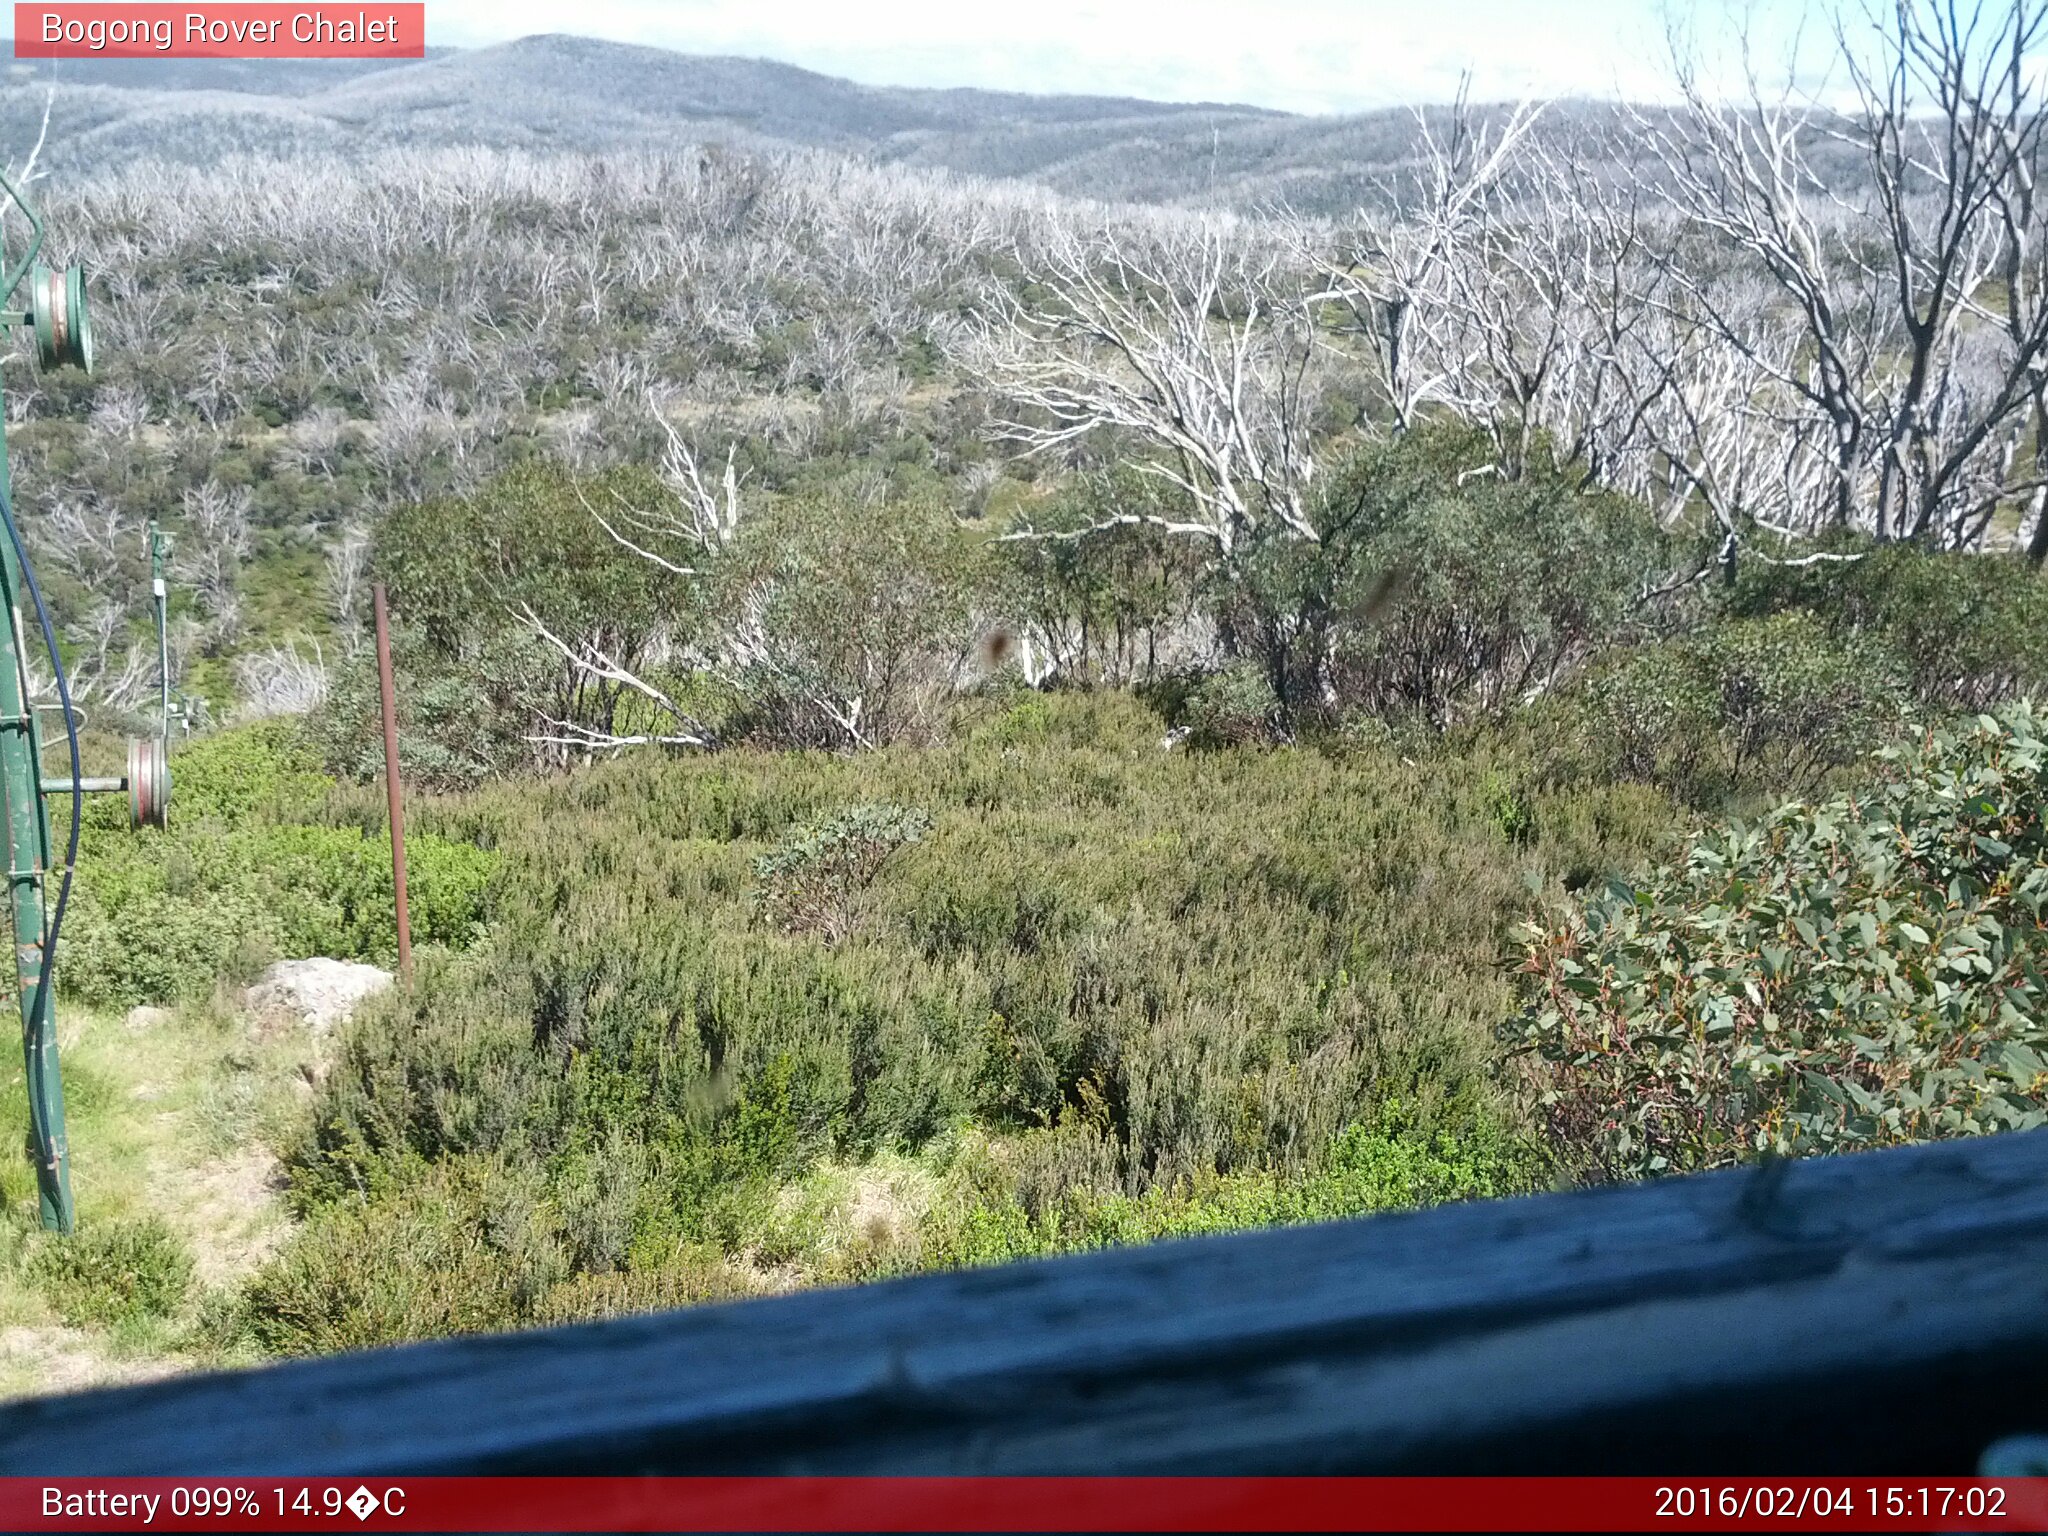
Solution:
(142, 1017)
(318, 993)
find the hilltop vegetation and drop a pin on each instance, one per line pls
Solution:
(555, 94)
(947, 722)
(1027, 975)
(729, 1023)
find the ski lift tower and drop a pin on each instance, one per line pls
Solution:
(53, 310)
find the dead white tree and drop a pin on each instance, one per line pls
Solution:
(589, 659)
(92, 539)
(348, 569)
(109, 665)
(210, 556)
(1405, 277)
(1200, 347)
(1546, 293)
(700, 520)
(1715, 440)
(1915, 281)
(281, 680)
(26, 172)
(1949, 121)
(678, 538)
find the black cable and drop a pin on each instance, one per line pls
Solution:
(49, 972)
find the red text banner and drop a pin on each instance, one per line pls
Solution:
(745, 1504)
(237, 31)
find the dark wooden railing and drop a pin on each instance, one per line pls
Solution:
(1879, 1313)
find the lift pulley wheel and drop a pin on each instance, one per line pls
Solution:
(62, 325)
(149, 783)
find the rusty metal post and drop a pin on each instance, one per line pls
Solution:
(390, 700)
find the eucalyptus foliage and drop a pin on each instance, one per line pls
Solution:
(1864, 971)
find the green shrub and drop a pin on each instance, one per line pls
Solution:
(1510, 807)
(229, 778)
(1108, 607)
(811, 883)
(1028, 718)
(1969, 630)
(1778, 701)
(1438, 587)
(1233, 708)
(851, 625)
(111, 1272)
(460, 722)
(464, 1249)
(1864, 971)
(617, 1293)
(475, 679)
(1385, 1162)
(1216, 960)
(160, 948)
(163, 916)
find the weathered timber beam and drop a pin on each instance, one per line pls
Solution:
(1884, 1312)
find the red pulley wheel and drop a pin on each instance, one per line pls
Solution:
(149, 783)
(57, 310)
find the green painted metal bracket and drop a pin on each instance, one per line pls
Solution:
(57, 315)
(19, 270)
(27, 829)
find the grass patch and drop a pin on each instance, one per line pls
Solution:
(176, 1196)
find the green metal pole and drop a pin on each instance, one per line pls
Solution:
(28, 869)
(159, 546)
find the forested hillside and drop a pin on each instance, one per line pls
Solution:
(957, 717)
(559, 93)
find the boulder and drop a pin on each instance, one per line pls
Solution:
(142, 1017)
(317, 993)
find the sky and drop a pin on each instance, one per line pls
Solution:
(1295, 55)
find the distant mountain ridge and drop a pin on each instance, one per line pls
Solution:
(564, 92)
